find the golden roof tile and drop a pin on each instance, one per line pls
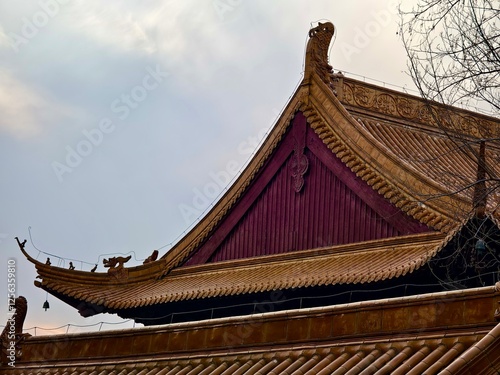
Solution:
(401, 356)
(354, 264)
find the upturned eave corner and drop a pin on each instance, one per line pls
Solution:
(22, 245)
(331, 100)
(49, 274)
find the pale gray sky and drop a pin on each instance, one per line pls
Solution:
(120, 121)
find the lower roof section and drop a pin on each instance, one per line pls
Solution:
(448, 333)
(365, 262)
(415, 355)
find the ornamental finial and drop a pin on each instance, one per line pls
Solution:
(317, 52)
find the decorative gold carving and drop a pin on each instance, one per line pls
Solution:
(299, 165)
(152, 257)
(116, 267)
(115, 262)
(317, 52)
(415, 109)
(12, 335)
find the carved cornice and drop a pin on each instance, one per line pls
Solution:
(414, 109)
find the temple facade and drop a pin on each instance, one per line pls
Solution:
(362, 238)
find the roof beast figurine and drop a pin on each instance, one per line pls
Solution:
(317, 51)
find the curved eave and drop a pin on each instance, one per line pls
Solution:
(347, 139)
(129, 276)
(359, 263)
(438, 144)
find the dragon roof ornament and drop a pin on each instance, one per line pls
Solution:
(317, 52)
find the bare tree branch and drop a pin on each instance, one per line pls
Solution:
(454, 51)
(454, 59)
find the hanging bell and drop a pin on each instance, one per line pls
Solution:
(46, 305)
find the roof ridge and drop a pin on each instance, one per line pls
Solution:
(409, 100)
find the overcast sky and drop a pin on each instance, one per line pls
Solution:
(116, 118)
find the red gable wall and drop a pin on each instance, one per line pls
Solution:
(303, 198)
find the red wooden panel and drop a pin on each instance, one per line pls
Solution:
(333, 207)
(325, 213)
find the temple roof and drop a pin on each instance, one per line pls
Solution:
(420, 157)
(390, 140)
(446, 333)
(407, 167)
